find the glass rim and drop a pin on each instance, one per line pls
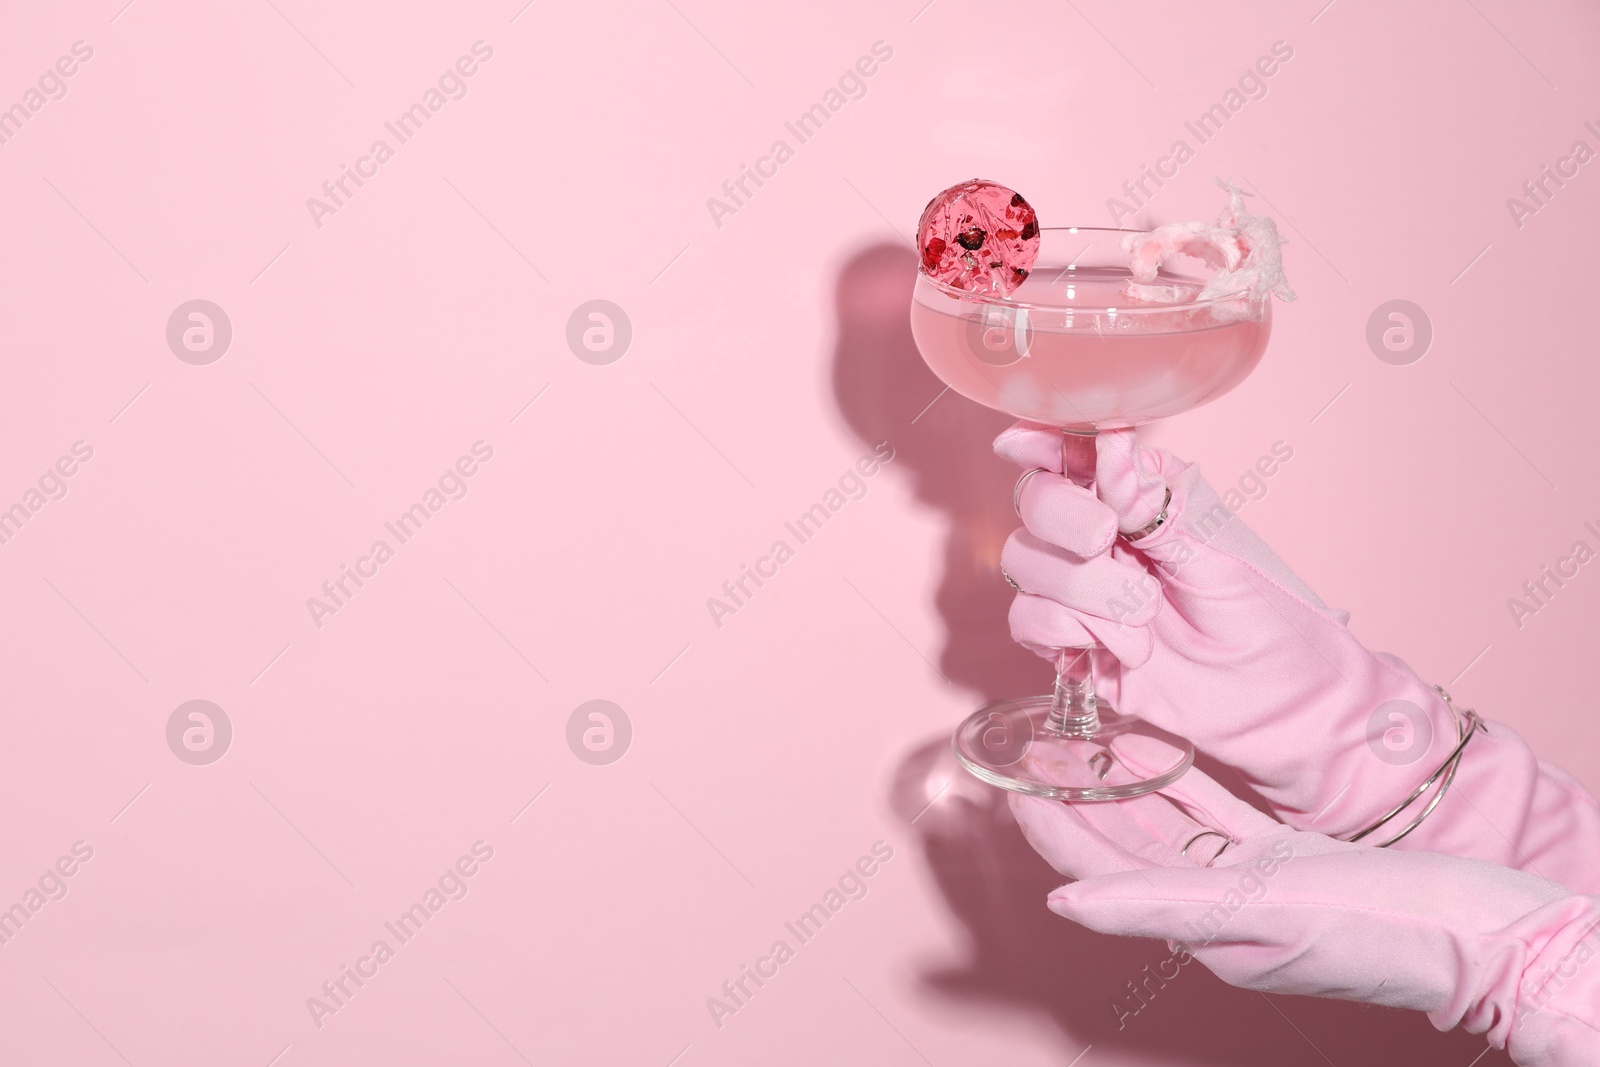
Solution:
(1133, 309)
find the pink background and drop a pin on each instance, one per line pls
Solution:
(768, 354)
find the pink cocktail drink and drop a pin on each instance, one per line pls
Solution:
(1086, 329)
(1070, 348)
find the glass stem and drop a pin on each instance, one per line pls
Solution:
(1072, 705)
(1073, 712)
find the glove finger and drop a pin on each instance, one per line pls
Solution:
(1102, 586)
(1129, 479)
(1029, 445)
(1045, 626)
(1080, 842)
(1086, 840)
(1065, 514)
(1196, 791)
(1154, 830)
(1189, 905)
(1037, 622)
(1057, 832)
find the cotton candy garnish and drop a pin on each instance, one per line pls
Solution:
(1244, 249)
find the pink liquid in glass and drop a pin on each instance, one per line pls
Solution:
(1070, 349)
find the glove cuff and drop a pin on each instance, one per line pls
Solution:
(1535, 996)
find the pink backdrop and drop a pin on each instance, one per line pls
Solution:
(378, 339)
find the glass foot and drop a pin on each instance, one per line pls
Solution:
(1013, 744)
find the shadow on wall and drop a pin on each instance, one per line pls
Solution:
(882, 388)
(1020, 957)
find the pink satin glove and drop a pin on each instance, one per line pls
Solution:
(1208, 634)
(1496, 951)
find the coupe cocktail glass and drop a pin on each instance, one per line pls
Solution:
(1069, 348)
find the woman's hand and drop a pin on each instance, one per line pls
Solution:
(1265, 907)
(1208, 634)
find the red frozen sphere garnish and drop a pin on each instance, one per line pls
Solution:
(978, 236)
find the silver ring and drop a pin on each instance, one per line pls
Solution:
(1154, 524)
(1016, 493)
(1012, 582)
(1207, 833)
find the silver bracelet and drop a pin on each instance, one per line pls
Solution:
(1468, 723)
